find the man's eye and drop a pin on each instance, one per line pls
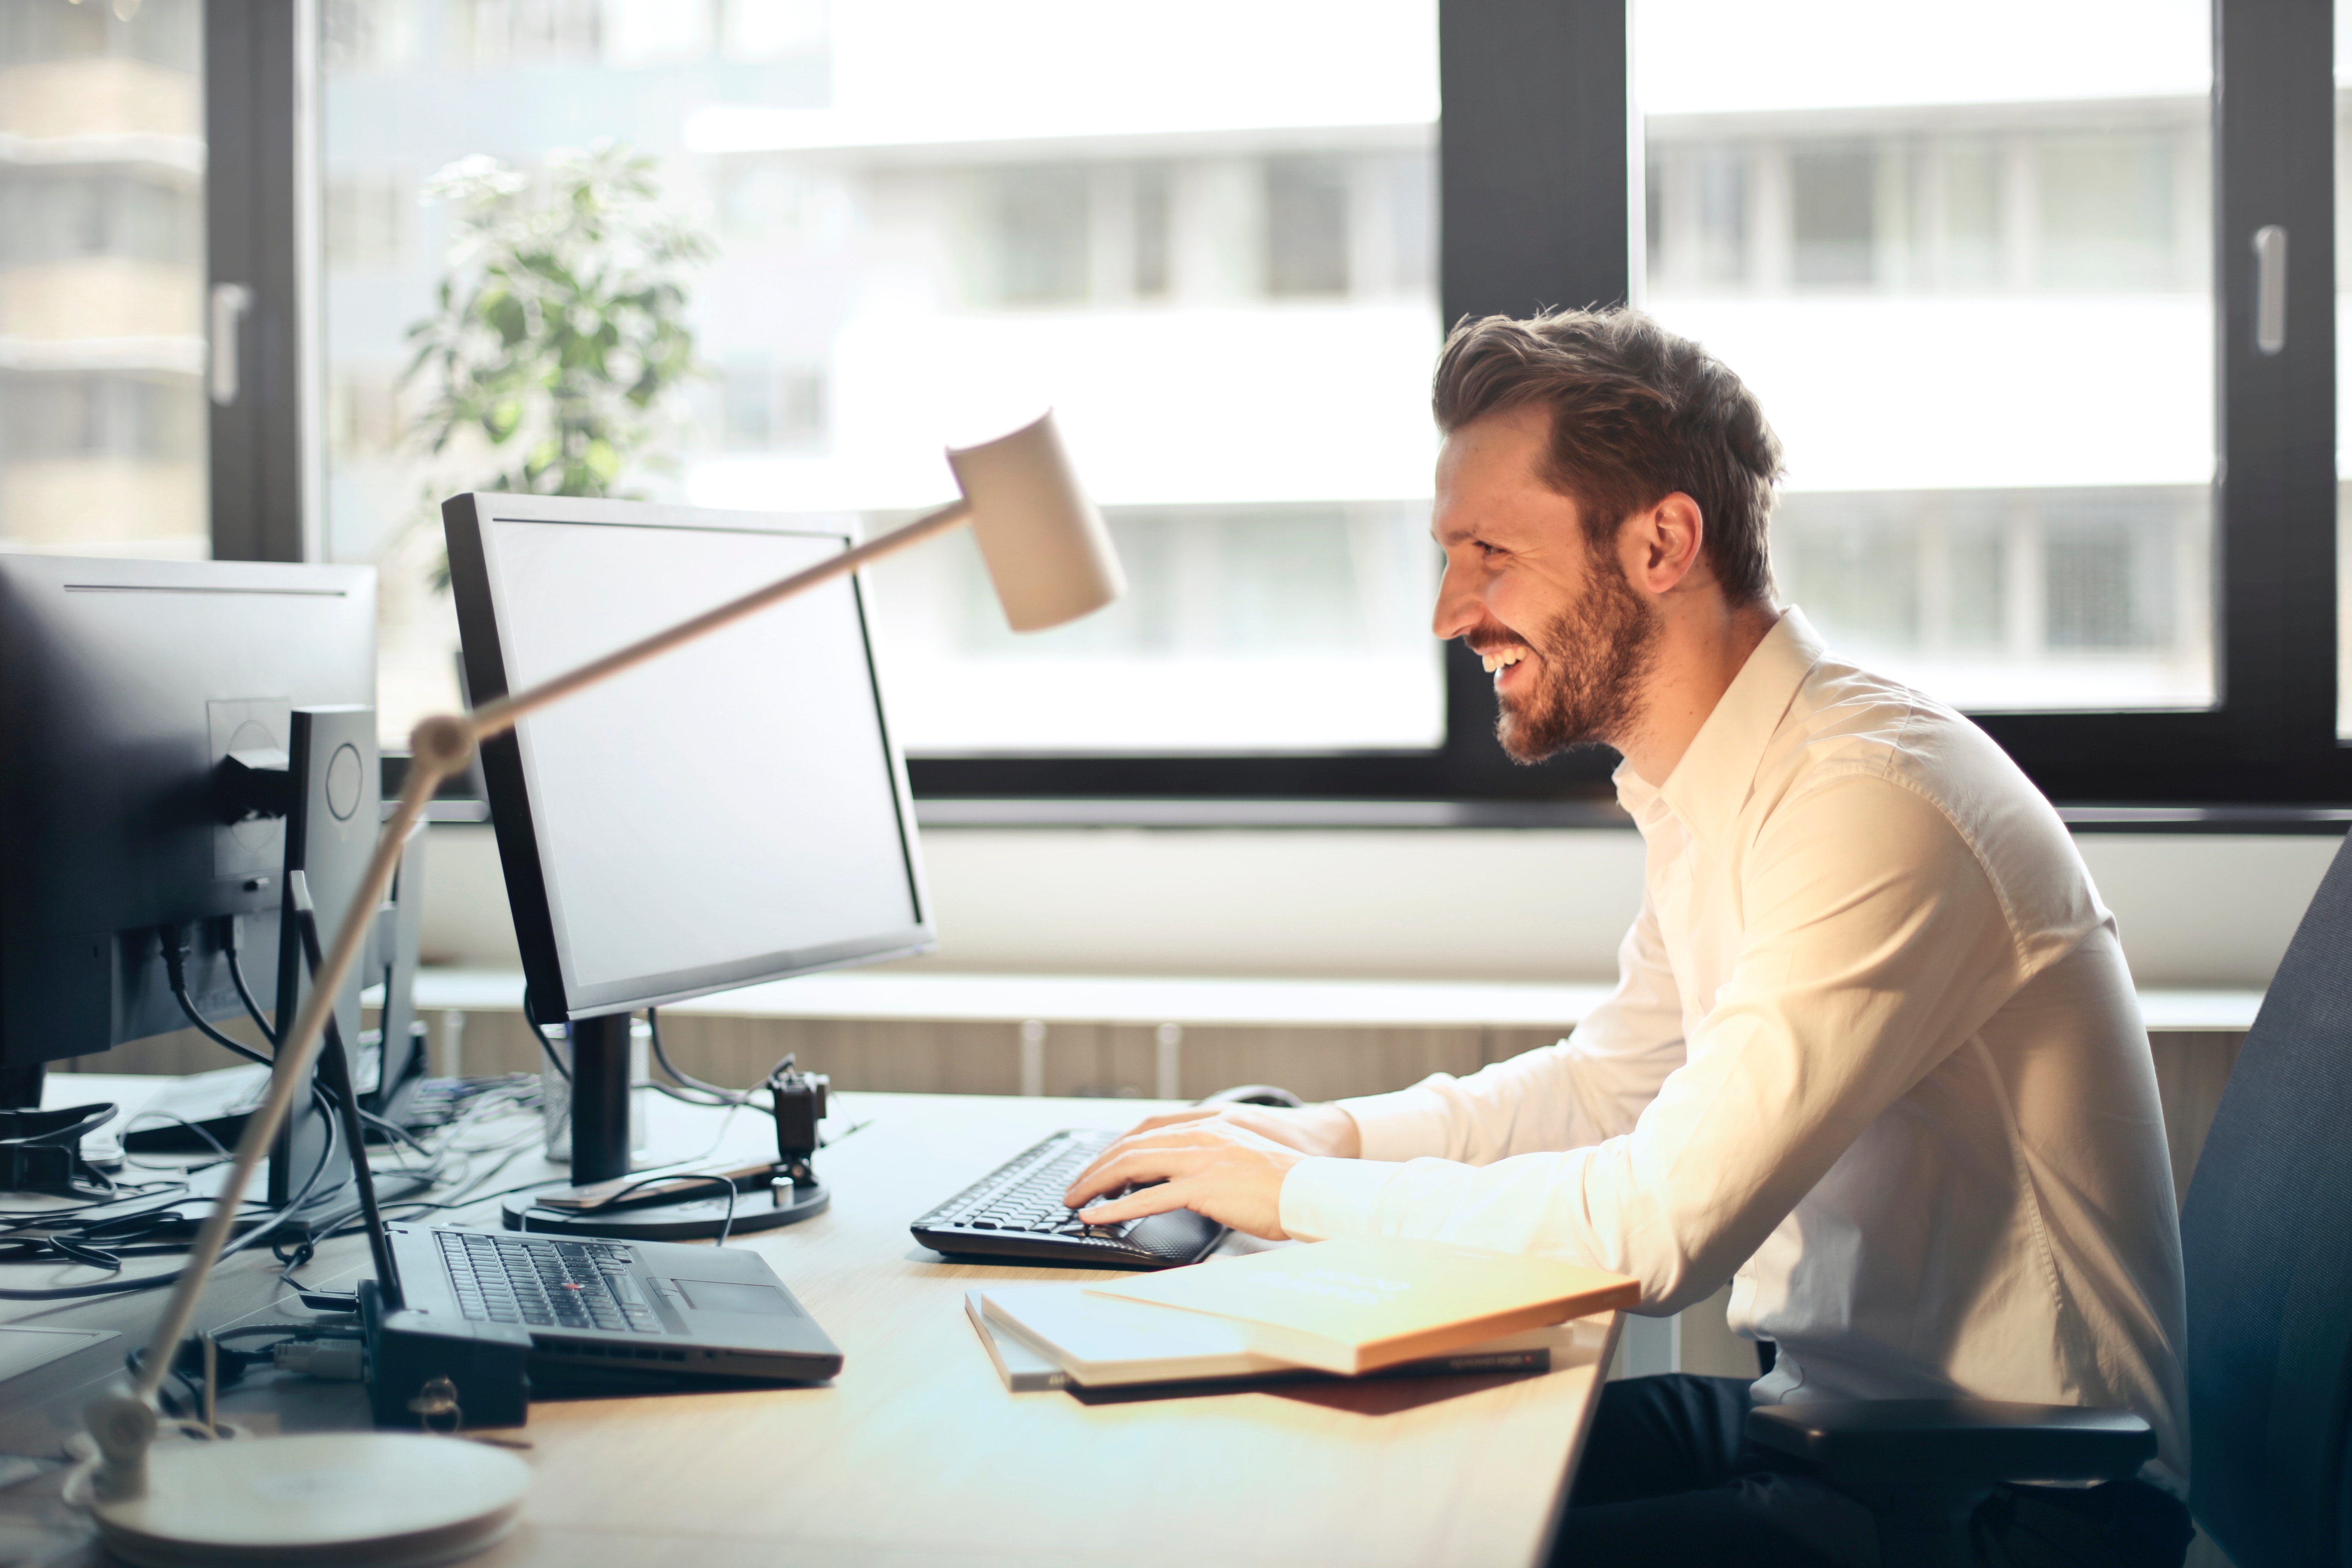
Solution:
(1487, 550)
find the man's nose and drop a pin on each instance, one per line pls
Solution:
(1458, 607)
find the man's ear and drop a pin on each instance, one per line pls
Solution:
(1662, 545)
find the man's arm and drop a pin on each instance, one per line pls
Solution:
(1587, 1088)
(1874, 944)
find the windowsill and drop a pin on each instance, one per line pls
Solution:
(1054, 812)
(1202, 1003)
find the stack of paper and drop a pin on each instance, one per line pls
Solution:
(1345, 1308)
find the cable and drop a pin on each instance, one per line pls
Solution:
(198, 1127)
(394, 1129)
(719, 1096)
(725, 1228)
(530, 1018)
(245, 992)
(176, 953)
(150, 1281)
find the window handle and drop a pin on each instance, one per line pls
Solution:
(2270, 288)
(230, 302)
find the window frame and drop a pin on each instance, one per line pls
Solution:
(1539, 158)
(261, 233)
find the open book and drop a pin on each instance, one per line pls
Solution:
(1054, 1336)
(1362, 1303)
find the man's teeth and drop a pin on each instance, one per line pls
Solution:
(1509, 656)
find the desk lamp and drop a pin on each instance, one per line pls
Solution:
(398, 1499)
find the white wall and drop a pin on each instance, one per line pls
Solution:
(2194, 910)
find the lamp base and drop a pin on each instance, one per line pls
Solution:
(364, 1500)
(687, 1219)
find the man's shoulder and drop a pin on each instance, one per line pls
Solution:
(1846, 719)
(1847, 726)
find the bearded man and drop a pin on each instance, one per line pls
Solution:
(1874, 1055)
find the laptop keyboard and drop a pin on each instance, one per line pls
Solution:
(546, 1283)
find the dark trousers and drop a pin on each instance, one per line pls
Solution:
(1669, 1478)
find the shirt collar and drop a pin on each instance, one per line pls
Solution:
(1708, 785)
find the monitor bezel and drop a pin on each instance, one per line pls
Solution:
(554, 997)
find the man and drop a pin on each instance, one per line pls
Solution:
(1874, 1055)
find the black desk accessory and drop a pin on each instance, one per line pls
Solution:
(603, 1200)
(40, 1150)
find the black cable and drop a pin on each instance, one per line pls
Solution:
(530, 1018)
(150, 1281)
(176, 953)
(244, 991)
(720, 1095)
(394, 1129)
(725, 1228)
(195, 1127)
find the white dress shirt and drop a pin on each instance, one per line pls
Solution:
(1874, 1056)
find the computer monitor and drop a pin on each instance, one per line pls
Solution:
(735, 812)
(123, 685)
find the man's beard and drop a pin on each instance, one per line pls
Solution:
(1595, 657)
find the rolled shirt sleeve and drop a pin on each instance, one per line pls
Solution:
(1589, 1087)
(1873, 944)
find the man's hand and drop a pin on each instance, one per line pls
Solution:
(1225, 1162)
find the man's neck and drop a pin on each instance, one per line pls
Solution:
(1701, 650)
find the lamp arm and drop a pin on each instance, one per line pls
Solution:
(440, 747)
(287, 1078)
(499, 715)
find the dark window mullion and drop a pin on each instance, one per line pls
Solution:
(2273, 134)
(254, 64)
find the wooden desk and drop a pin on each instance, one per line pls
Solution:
(916, 1454)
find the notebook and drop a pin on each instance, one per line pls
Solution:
(1054, 1336)
(1358, 1304)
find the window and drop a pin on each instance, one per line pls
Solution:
(1877, 273)
(101, 278)
(1217, 264)
(1991, 270)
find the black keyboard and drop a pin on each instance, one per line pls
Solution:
(1015, 1211)
(545, 1283)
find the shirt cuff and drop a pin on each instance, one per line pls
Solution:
(1323, 1198)
(1407, 1125)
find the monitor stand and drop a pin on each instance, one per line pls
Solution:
(20, 1087)
(599, 1153)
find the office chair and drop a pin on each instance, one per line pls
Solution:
(2268, 1249)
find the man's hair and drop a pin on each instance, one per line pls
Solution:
(1637, 413)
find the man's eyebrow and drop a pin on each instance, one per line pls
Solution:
(1453, 533)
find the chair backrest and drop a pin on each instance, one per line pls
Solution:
(2267, 1234)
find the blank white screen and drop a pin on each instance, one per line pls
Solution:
(732, 800)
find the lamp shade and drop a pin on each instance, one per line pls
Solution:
(1046, 548)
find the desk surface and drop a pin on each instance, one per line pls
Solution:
(917, 1454)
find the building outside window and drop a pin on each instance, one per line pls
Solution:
(1215, 264)
(1964, 258)
(103, 444)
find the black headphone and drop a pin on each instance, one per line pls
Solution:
(40, 1150)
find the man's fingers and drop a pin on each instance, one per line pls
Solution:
(1132, 1168)
(1143, 1201)
(1144, 1136)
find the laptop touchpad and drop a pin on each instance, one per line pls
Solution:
(716, 1296)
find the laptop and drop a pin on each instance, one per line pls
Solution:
(654, 1315)
(648, 1316)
